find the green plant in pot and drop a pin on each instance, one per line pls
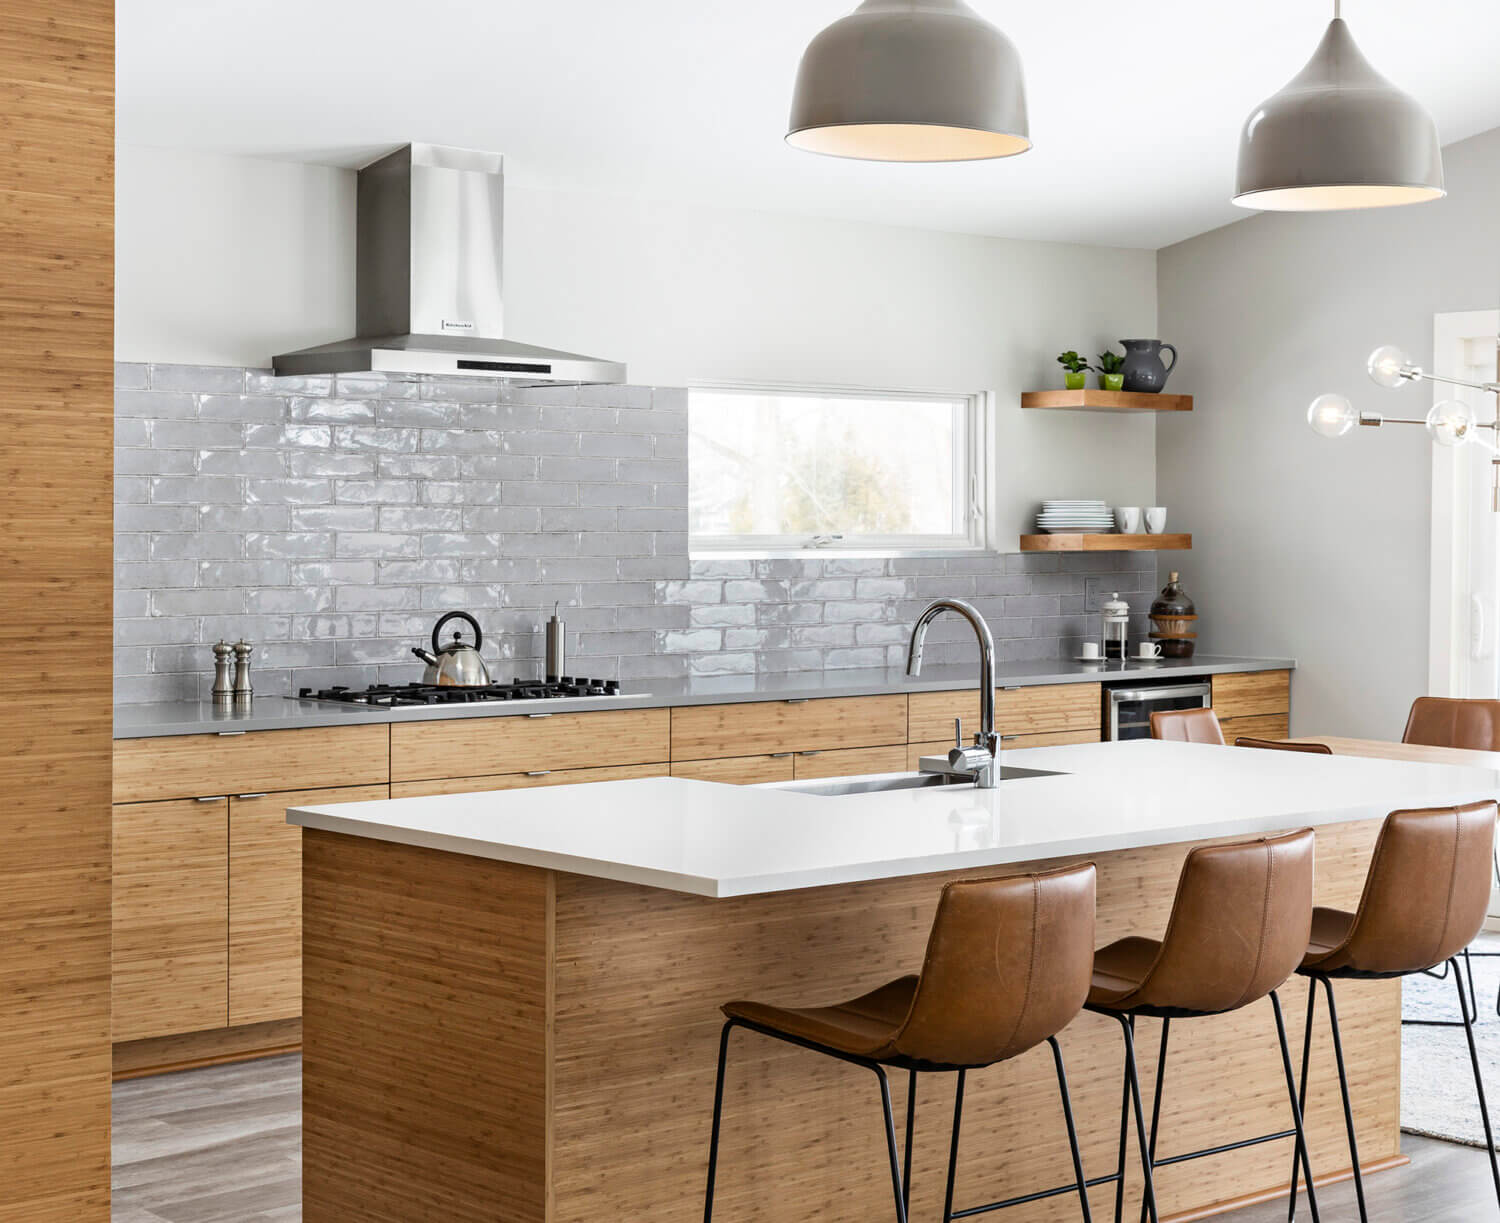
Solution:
(1111, 371)
(1077, 367)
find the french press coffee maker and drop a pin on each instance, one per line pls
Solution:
(1115, 626)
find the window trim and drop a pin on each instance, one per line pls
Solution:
(975, 472)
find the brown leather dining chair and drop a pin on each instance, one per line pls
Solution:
(1007, 968)
(1282, 745)
(1424, 901)
(1238, 930)
(1187, 726)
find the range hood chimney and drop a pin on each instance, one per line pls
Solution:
(428, 279)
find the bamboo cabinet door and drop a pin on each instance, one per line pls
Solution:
(170, 917)
(265, 900)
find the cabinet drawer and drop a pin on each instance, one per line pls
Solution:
(265, 901)
(850, 762)
(523, 781)
(1045, 709)
(169, 917)
(1268, 726)
(737, 770)
(183, 766)
(703, 731)
(1252, 694)
(941, 747)
(481, 747)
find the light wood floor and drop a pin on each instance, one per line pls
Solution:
(223, 1146)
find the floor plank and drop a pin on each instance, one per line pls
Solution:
(223, 1145)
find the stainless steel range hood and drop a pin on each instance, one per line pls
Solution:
(428, 279)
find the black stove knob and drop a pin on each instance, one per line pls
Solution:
(612, 687)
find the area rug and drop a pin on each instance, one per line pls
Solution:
(1437, 1078)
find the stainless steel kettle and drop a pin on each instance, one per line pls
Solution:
(456, 663)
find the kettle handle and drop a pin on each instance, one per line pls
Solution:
(437, 645)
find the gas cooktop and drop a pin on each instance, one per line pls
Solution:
(394, 696)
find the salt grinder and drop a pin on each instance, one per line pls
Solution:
(223, 690)
(243, 691)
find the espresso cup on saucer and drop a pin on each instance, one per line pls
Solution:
(1088, 651)
(1147, 650)
(1156, 519)
(1128, 519)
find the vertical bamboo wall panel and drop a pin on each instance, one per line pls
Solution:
(56, 435)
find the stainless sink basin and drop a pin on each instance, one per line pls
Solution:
(834, 786)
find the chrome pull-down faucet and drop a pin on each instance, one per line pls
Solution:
(981, 760)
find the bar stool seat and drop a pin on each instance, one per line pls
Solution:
(1120, 968)
(865, 1026)
(1330, 928)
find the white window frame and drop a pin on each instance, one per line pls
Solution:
(973, 478)
(1462, 611)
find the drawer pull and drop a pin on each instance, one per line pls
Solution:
(228, 734)
(262, 794)
(540, 773)
(538, 715)
(781, 755)
(211, 798)
(1010, 688)
(797, 700)
(1009, 738)
(809, 753)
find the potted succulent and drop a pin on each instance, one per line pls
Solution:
(1077, 367)
(1111, 366)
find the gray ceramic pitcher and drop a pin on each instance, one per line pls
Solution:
(1143, 368)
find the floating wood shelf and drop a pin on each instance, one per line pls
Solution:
(1106, 543)
(1107, 401)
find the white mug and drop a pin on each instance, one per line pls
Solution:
(1147, 649)
(1088, 649)
(1156, 519)
(1128, 519)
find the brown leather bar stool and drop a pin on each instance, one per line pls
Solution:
(1235, 935)
(1187, 726)
(1424, 901)
(1282, 745)
(1472, 724)
(1007, 967)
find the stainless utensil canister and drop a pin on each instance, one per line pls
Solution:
(556, 645)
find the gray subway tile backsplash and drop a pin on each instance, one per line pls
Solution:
(331, 520)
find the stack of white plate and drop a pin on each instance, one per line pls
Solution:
(1074, 517)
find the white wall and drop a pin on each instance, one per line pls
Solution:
(1306, 547)
(229, 260)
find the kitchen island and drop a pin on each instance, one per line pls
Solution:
(511, 999)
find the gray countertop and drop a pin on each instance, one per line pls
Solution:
(283, 713)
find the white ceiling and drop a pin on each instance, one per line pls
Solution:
(1135, 109)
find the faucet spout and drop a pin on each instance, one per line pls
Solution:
(986, 738)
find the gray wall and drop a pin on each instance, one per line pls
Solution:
(1306, 547)
(331, 521)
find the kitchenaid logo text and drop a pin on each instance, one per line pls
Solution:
(457, 325)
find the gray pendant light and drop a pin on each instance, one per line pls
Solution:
(1339, 135)
(910, 80)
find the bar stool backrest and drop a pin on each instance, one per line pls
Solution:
(1239, 926)
(1439, 721)
(1008, 964)
(1427, 892)
(1187, 726)
(1281, 745)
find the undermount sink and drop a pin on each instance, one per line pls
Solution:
(834, 786)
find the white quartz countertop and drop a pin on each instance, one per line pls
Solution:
(721, 840)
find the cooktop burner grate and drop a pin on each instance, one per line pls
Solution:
(400, 695)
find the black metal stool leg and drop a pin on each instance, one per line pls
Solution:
(1312, 998)
(713, 1143)
(1338, 1053)
(1484, 1108)
(1124, 1135)
(1161, 1075)
(958, 1114)
(1067, 1103)
(1133, 1081)
(890, 1142)
(911, 1119)
(1291, 1092)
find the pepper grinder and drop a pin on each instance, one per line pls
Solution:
(223, 690)
(243, 692)
(556, 646)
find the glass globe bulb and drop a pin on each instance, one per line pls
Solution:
(1450, 423)
(1386, 364)
(1331, 415)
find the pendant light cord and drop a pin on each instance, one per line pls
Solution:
(1338, 9)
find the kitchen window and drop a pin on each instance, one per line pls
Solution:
(790, 470)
